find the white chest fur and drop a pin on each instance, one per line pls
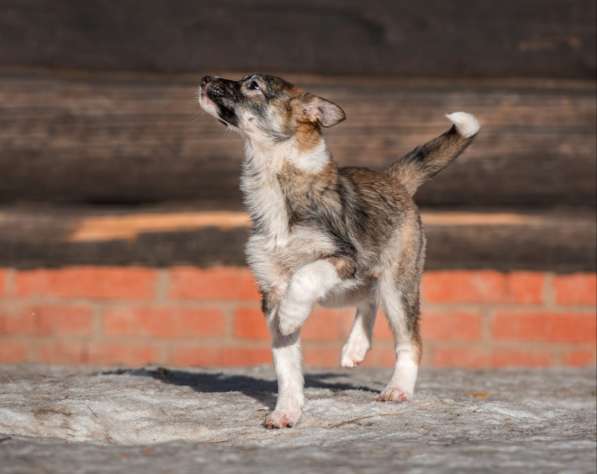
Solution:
(263, 196)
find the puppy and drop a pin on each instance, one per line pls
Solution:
(324, 234)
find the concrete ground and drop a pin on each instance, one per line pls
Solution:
(208, 421)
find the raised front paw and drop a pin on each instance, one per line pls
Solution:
(393, 394)
(292, 315)
(281, 419)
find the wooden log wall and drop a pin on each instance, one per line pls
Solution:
(99, 120)
(34, 236)
(110, 139)
(509, 38)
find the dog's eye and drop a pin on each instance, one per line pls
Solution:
(253, 86)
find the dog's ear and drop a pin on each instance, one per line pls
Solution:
(322, 111)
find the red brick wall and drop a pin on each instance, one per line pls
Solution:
(187, 316)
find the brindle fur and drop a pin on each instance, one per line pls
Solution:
(364, 223)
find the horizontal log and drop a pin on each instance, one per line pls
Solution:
(164, 236)
(533, 38)
(137, 139)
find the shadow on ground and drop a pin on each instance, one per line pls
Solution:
(259, 389)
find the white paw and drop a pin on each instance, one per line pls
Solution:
(393, 393)
(282, 419)
(353, 352)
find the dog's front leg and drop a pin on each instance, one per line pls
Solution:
(287, 363)
(309, 284)
(286, 316)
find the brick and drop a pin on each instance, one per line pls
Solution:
(451, 326)
(61, 320)
(463, 287)
(220, 356)
(525, 287)
(94, 353)
(250, 323)
(47, 320)
(217, 283)
(172, 322)
(3, 288)
(546, 327)
(576, 289)
(501, 358)
(111, 353)
(381, 330)
(467, 357)
(7, 319)
(483, 287)
(12, 352)
(438, 325)
(87, 282)
(381, 355)
(327, 325)
(61, 352)
(321, 357)
(580, 358)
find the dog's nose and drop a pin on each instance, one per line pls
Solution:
(206, 80)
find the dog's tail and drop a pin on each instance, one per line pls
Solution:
(425, 161)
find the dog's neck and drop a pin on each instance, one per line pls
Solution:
(270, 156)
(264, 163)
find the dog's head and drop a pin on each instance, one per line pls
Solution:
(266, 108)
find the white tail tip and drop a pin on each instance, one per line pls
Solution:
(466, 124)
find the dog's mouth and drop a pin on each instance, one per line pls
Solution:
(218, 101)
(220, 111)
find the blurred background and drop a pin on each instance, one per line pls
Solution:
(121, 226)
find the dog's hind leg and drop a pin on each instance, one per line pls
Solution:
(360, 338)
(401, 306)
(399, 295)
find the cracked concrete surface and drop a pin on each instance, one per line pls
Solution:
(176, 421)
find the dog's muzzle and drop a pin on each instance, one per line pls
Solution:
(223, 93)
(216, 88)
